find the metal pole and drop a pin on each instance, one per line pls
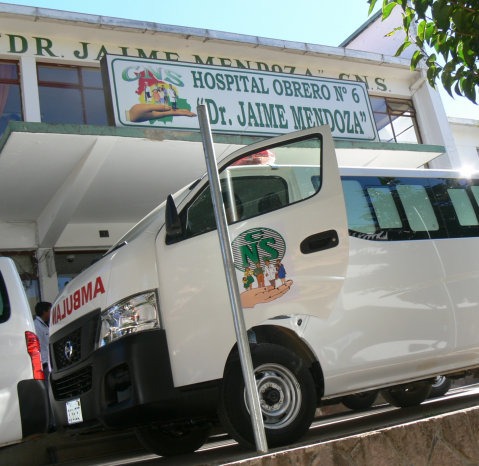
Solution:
(233, 291)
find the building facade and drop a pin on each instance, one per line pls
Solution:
(73, 177)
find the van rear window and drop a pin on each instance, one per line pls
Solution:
(4, 301)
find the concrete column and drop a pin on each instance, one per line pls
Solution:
(434, 124)
(29, 86)
(47, 274)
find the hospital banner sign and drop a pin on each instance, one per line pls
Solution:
(165, 94)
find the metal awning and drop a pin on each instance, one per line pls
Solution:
(385, 155)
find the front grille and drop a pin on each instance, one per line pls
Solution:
(72, 385)
(75, 343)
(68, 350)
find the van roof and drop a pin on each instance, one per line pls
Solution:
(407, 172)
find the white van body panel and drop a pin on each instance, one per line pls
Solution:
(401, 329)
(15, 363)
(459, 265)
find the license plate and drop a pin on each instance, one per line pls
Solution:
(74, 414)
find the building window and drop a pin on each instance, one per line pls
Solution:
(71, 94)
(395, 120)
(10, 94)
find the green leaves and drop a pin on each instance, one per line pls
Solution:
(445, 34)
(416, 58)
(387, 8)
(402, 47)
(441, 12)
(372, 4)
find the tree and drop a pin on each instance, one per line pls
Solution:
(446, 36)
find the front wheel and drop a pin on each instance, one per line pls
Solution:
(172, 441)
(287, 395)
(411, 394)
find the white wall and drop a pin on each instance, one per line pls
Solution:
(466, 136)
(375, 37)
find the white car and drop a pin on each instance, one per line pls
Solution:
(23, 393)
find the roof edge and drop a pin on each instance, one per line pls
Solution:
(361, 29)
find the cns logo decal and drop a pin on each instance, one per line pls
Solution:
(159, 101)
(259, 255)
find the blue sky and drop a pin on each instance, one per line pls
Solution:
(313, 21)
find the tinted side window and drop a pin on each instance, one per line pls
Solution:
(418, 207)
(391, 208)
(458, 204)
(4, 302)
(475, 193)
(385, 207)
(411, 208)
(360, 217)
(243, 197)
(463, 206)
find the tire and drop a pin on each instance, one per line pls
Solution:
(411, 394)
(287, 397)
(173, 441)
(440, 386)
(359, 401)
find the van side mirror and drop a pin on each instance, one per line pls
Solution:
(172, 221)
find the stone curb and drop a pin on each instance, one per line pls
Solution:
(450, 439)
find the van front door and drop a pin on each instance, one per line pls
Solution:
(289, 238)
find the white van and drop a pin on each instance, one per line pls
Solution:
(23, 394)
(352, 281)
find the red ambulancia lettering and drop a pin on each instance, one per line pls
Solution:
(67, 306)
(77, 299)
(86, 293)
(99, 288)
(56, 314)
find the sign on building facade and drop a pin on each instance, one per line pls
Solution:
(165, 94)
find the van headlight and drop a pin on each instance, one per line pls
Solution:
(134, 314)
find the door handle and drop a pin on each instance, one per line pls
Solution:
(319, 242)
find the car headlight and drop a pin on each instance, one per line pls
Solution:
(134, 314)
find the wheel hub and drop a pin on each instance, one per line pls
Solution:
(271, 396)
(279, 395)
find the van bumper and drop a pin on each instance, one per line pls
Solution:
(126, 383)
